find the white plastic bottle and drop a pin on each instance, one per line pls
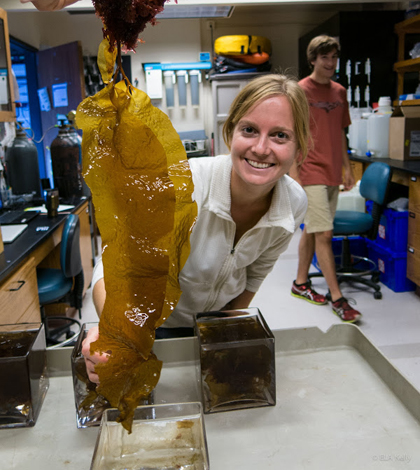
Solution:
(358, 130)
(378, 129)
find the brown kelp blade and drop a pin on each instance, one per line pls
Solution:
(137, 170)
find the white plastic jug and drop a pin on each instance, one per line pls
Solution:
(358, 135)
(358, 130)
(351, 200)
(378, 129)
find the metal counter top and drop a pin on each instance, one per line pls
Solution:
(340, 404)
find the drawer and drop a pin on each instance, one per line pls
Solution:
(32, 314)
(19, 296)
(414, 229)
(413, 265)
(414, 194)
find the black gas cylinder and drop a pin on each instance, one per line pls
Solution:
(22, 165)
(78, 141)
(66, 164)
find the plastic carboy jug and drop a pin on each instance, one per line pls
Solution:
(358, 130)
(378, 129)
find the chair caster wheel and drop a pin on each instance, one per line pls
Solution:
(377, 295)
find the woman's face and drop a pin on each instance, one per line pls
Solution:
(264, 143)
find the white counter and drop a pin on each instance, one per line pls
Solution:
(340, 404)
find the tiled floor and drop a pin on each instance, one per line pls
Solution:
(392, 323)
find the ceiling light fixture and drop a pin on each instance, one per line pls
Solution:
(172, 12)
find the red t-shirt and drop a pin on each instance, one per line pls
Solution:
(329, 112)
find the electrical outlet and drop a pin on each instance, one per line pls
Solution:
(210, 25)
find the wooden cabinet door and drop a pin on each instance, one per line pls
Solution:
(414, 230)
(358, 168)
(414, 194)
(413, 265)
(19, 301)
(413, 250)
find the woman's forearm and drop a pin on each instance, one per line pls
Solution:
(98, 296)
(242, 301)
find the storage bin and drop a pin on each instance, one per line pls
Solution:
(393, 229)
(392, 266)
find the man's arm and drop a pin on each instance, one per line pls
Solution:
(348, 178)
(50, 5)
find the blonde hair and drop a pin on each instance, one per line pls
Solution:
(321, 45)
(263, 87)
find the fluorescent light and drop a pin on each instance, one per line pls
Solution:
(195, 11)
(172, 12)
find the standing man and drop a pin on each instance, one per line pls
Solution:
(321, 174)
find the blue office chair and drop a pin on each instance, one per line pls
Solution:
(374, 186)
(63, 285)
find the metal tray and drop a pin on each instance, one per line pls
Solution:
(340, 404)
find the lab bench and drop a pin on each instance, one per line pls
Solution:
(38, 245)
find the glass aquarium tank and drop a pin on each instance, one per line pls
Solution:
(163, 437)
(236, 360)
(23, 371)
(89, 404)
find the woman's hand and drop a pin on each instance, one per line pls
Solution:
(92, 360)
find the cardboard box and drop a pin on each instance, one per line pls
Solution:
(404, 133)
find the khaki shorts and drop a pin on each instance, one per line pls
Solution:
(322, 204)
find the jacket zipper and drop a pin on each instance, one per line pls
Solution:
(226, 269)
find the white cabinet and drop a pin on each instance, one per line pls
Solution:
(224, 90)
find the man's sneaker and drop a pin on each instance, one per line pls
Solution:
(343, 310)
(305, 291)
